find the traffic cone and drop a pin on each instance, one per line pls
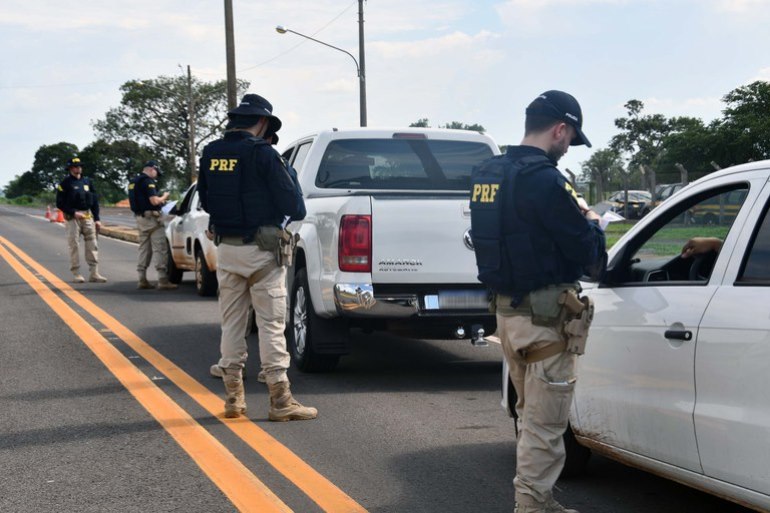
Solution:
(59, 216)
(48, 212)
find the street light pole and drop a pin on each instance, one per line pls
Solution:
(362, 70)
(232, 85)
(359, 69)
(191, 128)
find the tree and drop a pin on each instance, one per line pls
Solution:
(745, 128)
(156, 113)
(456, 125)
(48, 167)
(25, 184)
(642, 136)
(420, 123)
(604, 167)
(111, 165)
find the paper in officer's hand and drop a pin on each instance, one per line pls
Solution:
(609, 217)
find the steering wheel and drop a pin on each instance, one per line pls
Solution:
(701, 266)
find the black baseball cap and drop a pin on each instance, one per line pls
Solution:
(74, 162)
(563, 107)
(153, 164)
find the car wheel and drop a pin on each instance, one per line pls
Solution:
(306, 330)
(205, 280)
(174, 273)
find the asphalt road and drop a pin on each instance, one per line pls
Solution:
(93, 419)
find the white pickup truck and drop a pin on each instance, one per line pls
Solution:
(386, 242)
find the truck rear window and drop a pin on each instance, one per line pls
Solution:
(400, 164)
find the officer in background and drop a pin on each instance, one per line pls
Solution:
(146, 203)
(533, 240)
(78, 201)
(249, 190)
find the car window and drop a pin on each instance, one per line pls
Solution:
(654, 255)
(299, 156)
(401, 164)
(287, 154)
(184, 205)
(756, 267)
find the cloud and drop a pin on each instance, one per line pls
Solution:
(705, 108)
(742, 6)
(531, 16)
(456, 41)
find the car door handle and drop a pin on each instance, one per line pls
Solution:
(678, 334)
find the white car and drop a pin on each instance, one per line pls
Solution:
(676, 375)
(190, 249)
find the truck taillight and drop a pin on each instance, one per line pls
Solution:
(355, 251)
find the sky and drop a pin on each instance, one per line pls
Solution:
(473, 61)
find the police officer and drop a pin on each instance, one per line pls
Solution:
(249, 191)
(533, 240)
(78, 201)
(146, 203)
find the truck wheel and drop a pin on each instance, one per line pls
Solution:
(174, 273)
(306, 330)
(205, 280)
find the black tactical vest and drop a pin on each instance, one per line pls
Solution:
(505, 254)
(137, 194)
(238, 198)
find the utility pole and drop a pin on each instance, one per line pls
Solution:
(361, 59)
(232, 89)
(191, 156)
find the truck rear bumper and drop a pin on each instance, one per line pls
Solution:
(361, 300)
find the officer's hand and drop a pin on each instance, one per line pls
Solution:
(79, 215)
(98, 225)
(592, 216)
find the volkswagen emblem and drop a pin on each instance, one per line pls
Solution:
(467, 239)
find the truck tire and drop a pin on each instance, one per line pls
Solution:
(174, 273)
(306, 330)
(205, 280)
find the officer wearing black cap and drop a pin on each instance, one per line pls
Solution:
(249, 191)
(77, 199)
(533, 240)
(146, 203)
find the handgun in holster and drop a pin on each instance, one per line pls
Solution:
(580, 312)
(287, 243)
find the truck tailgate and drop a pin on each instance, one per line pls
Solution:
(419, 239)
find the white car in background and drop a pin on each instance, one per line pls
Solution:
(676, 375)
(189, 248)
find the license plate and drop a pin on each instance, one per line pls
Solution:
(457, 300)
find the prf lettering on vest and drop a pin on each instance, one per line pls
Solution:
(223, 164)
(484, 192)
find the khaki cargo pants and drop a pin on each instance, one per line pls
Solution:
(544, 390)
(86, 228)
(268, 297)
(152, 245)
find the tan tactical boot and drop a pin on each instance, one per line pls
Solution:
(284, 407)
(78, 278)
(143, 284)
(96, 277)
(235, 398)
(164, 284)
(550, 506)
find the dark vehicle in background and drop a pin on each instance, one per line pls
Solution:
(639, 203)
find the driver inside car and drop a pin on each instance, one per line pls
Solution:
(700, 246)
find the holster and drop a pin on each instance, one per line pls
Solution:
(280, 241)
(579, 315)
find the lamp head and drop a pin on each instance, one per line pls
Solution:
(281, 29)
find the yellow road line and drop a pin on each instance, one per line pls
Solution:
(239, 484)
(322, 491)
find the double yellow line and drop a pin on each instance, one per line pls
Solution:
(237, 482)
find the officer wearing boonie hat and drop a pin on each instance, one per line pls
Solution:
(248, 190)
(77, 199)
(533, 240)
(146, 204)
